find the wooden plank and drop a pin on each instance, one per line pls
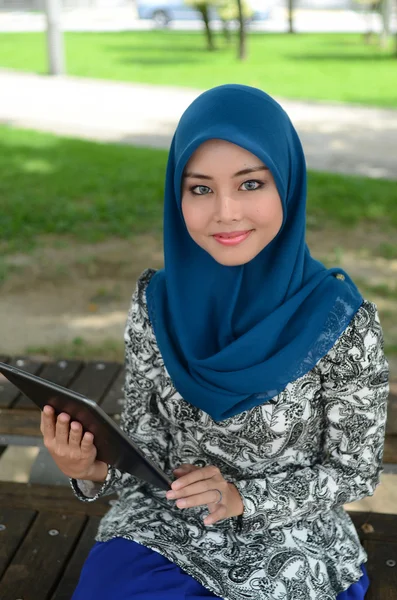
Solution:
(14, 421)
(383, 578)
(8, 392)
(39, 562)
(14, 524)
(62, 372)
(95, 379)
(21, 422)
(391, 423)
(375, 526)
(71, 575)
(113, 401)
(59, 498)
(390, 451)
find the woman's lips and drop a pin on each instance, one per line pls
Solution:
(233, 238)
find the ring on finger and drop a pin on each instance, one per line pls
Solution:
(220, 496)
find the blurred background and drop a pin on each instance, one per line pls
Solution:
(90, 94)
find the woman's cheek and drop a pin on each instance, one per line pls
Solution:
(195, 217)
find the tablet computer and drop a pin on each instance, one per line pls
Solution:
(113, 445)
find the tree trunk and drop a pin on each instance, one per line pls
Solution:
(203, 8)
(396, 40)
(291, 16)
(385, 14)
(226, 31)
(242, 45)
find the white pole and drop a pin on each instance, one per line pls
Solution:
(56, 54)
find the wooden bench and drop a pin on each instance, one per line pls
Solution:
(102, 382)
(46, 534)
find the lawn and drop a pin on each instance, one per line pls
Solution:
(313, 66)
(58, 185)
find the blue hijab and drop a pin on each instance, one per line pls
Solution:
(232, 337)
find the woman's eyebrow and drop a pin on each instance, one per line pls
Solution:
(242, 172)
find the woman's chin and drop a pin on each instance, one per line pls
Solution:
(232, 259)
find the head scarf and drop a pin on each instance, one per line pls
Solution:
(233, 337)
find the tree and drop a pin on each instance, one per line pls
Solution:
(204, 8)
(240, 11)
(229, 11)
(291, 16)
(242, 46)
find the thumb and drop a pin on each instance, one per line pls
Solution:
(184, 468)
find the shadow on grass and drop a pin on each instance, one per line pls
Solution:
(342, 56)
(156, 55)
(51, 185)
(140, 60)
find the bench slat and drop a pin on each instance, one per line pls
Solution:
(14, 421)
(16, 523)
(43, 497)
(71, 575)
(375, 526)
(383, 578)
(390, 452)
(10, 393)
(40, 560)
(114, 399)
(26, 423)
(391, 423)
(95, 379)
(60, 372)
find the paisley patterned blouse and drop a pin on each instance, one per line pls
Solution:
(295, 460)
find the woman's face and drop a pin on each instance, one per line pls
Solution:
(230, 202)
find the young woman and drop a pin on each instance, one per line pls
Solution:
(255, 377)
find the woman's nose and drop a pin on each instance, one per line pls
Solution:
(227, 209)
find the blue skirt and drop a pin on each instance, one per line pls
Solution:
(124, 569)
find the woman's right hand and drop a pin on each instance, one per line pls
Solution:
(73, 452)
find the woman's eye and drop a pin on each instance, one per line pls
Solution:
(202, 190)
(252, 184)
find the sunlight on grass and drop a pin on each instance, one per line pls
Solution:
(307, 66)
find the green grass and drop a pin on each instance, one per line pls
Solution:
(81, 349)
(313, 66)
(57, 185)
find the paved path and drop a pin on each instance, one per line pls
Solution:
(335, 137)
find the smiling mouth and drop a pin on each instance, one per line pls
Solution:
(233, 238)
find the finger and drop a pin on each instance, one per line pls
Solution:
(87, 443)
(210, 472)
(217, 515)
(47, 424)
(75, 434)
(188, 501)
(185, 468)
(62, 429)
(200, 487)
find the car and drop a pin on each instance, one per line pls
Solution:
(162, 12)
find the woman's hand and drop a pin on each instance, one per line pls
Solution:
(197, 486)
(73, 453)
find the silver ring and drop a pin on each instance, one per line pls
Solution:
(221, 496)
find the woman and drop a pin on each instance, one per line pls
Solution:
(252, 368)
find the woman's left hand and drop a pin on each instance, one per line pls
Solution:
(197, 486)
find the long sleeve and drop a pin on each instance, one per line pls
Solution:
(354, 392)
(140, 418)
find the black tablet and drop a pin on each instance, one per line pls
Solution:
(114, 447)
